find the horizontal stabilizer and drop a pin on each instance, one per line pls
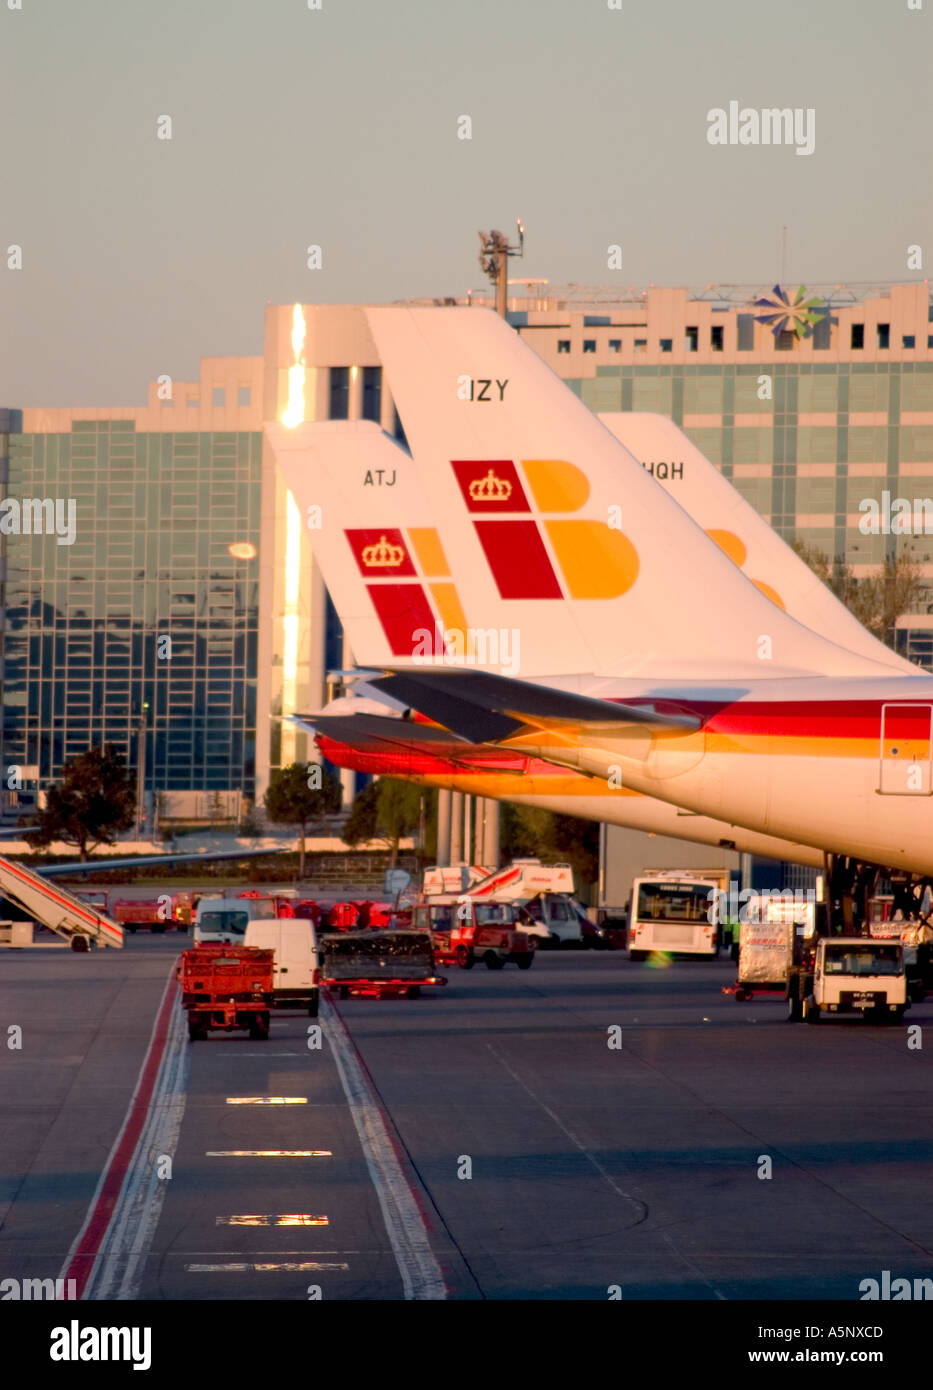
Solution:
(486, 708)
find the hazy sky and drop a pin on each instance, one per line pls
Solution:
(339, 127)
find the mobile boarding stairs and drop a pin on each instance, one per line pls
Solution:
(74, 921)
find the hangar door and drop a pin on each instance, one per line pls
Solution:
(906, 749)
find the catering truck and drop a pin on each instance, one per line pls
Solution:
(677, 910)
(543, 896)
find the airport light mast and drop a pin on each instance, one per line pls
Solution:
(494, 259)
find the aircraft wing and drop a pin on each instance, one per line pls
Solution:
(144, 860)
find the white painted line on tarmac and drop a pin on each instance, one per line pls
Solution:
(268, 1153)
(288, 1267)
(404, 1222)
(267, 1100)
(271, 1219)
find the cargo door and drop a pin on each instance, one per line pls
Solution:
(906, 749)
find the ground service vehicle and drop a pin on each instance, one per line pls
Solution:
(851, 975)
(672, 910)
(28, 899)
(466, 931)
(226, 919)
(158, 914)
(379, 962)
(543, 895)
(227, 987)
(293, 942)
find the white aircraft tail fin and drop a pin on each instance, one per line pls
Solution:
(719, 508)
(567, 542)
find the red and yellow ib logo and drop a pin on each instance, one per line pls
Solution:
(596, 561)
(730, 544)
(409, 582)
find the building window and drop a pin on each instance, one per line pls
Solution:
(822, 332)
(715, 337)
(244, 395)
(372, 393)
(641, 344)
(692, 340)
(929, 343)
(857, 340)
(667, 344)
(784, 342)
(615, 344)
(746, 332)
(339, 393)
(908, 341)
(589, 344)
(563, 345)
(884, 335)
(219, 397)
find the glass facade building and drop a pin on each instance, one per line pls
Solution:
(190, 594)
(150, 612)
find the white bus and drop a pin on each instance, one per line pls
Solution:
(674, 913)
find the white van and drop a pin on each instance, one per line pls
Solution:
(297, 971)
(226, 919)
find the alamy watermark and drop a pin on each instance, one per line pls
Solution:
(33, 1290)
(905, 516)
(752, 904)
(771, 125)
(40, 516)
(473, 646)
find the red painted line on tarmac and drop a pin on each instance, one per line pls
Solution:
(112, 1178)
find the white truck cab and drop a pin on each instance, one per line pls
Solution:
(226, 919)
(858, 975)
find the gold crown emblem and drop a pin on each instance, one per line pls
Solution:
(490, 488)
(382, 556)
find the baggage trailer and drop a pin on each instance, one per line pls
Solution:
(227, 987)
(378, 963)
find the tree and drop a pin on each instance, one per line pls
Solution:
(385, 810)
(300, 794)
(878, 599)
(94, 800)
(532, 832)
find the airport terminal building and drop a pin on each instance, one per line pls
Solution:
(168, 600)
